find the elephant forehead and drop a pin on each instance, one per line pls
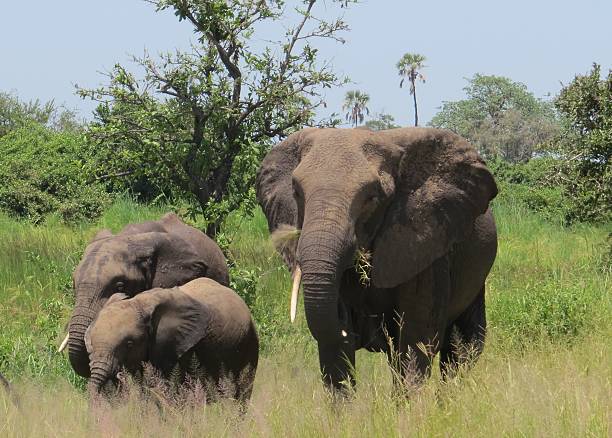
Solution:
(104, 252)
(339, 142)
(117, 317)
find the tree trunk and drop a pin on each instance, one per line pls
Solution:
(416, 113)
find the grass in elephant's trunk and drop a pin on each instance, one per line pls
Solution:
(363, 266)
(284, 236)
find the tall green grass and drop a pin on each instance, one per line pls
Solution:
(545, 370)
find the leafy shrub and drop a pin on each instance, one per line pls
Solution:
(533, 184)
(45, 171)
(586, 104)
(544, 309)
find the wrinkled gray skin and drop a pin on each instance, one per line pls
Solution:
(163, 253)
(165, 327)
(417, 199)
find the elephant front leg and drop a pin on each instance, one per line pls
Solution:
(338, 366)
(420, 323)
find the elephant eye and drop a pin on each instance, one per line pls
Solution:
(120, 286)
(129, 344)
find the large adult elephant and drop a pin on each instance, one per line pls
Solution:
(416, 200)
(153, 254)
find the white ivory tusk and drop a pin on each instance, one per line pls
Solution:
(64, 343)
(295, 291)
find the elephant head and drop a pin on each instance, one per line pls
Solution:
(128, 264)
(403, 195)
(158, 326)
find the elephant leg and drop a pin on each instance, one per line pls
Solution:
(339, 370)
(421, 322)
(464, 339)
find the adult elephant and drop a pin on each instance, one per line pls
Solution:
(162, 253)
(416, 200)
(200, 322)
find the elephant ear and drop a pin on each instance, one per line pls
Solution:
(274, 188)
(164, 259)
(443, 186)
(178, 322)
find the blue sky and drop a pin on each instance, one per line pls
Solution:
(46, 47)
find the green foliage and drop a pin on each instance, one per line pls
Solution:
(586, 145)
(44, 171)
(198, 123)
(16, 114)
(546, 282)
(501, 118)
(533, 184)
(381, 121)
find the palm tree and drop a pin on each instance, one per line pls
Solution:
(408, 67)
(355, 103)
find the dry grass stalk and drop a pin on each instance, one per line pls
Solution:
(363, 266)
(284, 236)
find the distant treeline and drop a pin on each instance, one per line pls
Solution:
(554, 156)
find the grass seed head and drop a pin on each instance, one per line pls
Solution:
(284, 236)
(363, 266)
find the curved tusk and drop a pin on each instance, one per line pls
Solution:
(63, 344)
(295, 291)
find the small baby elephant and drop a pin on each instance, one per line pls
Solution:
(201, 324)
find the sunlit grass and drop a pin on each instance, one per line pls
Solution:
(546, 392)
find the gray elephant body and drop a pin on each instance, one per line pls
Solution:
(163, 253)
(416, 200)
(201, 322)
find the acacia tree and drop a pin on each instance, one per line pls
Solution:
(408, 67)
(199, 122)
(501, 117)
(355, 105)
(16, 113)
(586, 145)
(381, 121)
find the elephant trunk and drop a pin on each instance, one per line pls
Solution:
(325, 250)
(82, 317)
(101, 374)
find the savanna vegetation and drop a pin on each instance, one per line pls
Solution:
(545, 369)
(188, 136)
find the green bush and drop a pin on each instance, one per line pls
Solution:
(533, 184)
(45, 171)
(586, 145)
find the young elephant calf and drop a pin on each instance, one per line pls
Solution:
(201, 322)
